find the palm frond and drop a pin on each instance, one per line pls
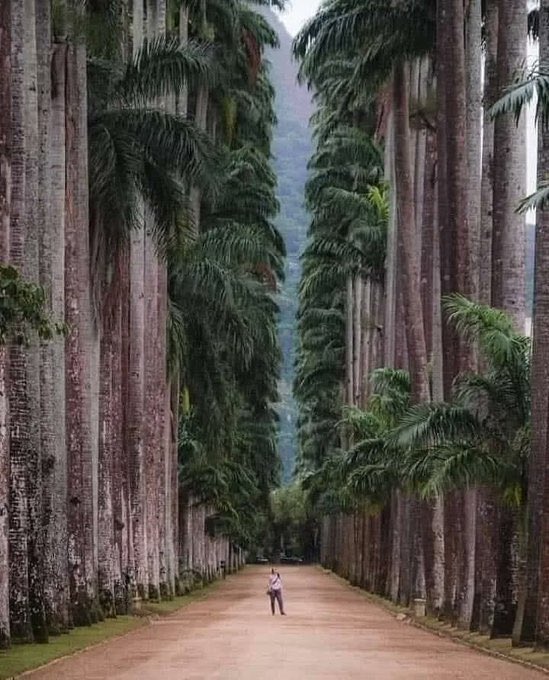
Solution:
(163, 67)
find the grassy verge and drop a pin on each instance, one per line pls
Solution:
(21, 658)
(501, 648)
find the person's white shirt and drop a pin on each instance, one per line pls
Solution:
(275, 582)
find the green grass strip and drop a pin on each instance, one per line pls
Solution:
(21, 658)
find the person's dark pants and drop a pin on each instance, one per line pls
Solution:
(276, 595)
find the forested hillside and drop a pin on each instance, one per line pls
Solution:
(292, 149)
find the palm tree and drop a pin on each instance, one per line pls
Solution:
(534, 623)
(340, 29)
(17, 396)
(508, 287)
(238, 115)
(115, 114)
(5, 190)
(531, 619)
(153, 154)
(493, 409)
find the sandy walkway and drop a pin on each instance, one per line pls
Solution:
(330, 632)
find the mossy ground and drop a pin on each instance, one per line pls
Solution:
(21, 658)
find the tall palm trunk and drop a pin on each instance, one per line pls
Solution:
(52, 274)
(368, 324)
(184, 499)
(491, 24)
(455, 237)
(120, 468)
(432, 529)
(5, 129)
(357, 339)
(79, 347)
(391, 292)
(349, 341)
(408, 239)
(172, 425)
(455, 262)
(473, 64)
(162, 392)
(5, 191)
(136, 377)
(409, 259)
(508, 255)
(136, 396)
(17, 381)
(487, 532)
(43, 368)
(107, 454)
(473, 68)
(4, 517)
(533, 613)
(31, 272)
(151, 406)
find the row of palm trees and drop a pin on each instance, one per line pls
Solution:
(423, 406)
(139, 357)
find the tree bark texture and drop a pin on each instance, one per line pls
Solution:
(20, 623)
(78, 316)
(5, 200)
(534, 605)
(508, 254)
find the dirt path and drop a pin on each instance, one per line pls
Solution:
(330, 632)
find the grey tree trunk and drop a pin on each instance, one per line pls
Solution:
(407, 240)
(107, 453)
(79, 347)
(366, 341)
(473, 71)
(349, 341)
(357, 332)
(5, 200)
(486, 502)
(162, 392)
(487, 180)
(508, 251)
(532, 623)
(31, 272)
(52, 247)
(135, 434)
(508, 254)
(20, 622)
(48, 419)
(151, 511)
(136, 377)
(391, 290)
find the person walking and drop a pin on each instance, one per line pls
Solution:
(275, 592)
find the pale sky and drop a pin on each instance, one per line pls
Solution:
(297, 13)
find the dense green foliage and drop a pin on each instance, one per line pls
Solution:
(346, 196)
(480, 436)
(223, 284)
(23, 309)
(293, 523)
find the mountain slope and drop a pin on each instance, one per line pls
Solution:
(292, 149)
